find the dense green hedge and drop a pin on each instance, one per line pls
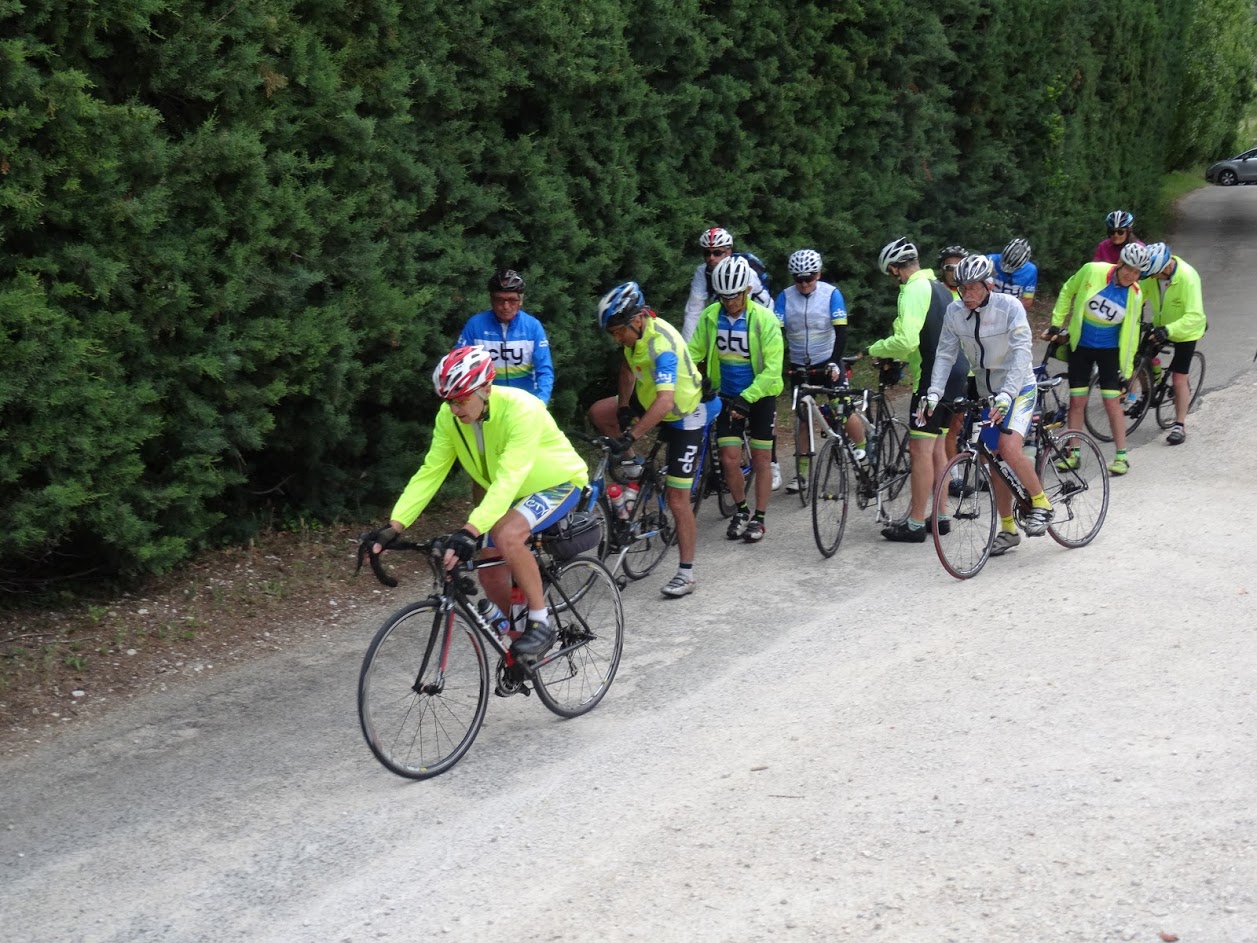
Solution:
(237, 236)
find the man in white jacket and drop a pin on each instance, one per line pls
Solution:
(992, 331)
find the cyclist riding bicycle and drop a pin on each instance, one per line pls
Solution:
(1102, 303)
(739, 340)
(813, 316)
(1171, 289)
(1121, 226)
(515, 339)
(994, 334)
(1014, 273)
(914, 337)
(507, 441)
(658, 386)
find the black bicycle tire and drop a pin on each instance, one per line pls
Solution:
(831, 456)
(651, 506)
(974, 475)
(369, 682)
(727, 504)
(573, 646)
(895, 470)
(1096, 418)
(1166, 414)
(1054, 485)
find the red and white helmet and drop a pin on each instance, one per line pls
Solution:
(462, 371)
(715, 238)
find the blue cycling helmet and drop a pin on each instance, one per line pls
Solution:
(1119, 219)
(1158, 259)
(620, 304)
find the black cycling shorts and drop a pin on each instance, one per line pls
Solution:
(1183, 351)
(762, 423)
(1082, 359)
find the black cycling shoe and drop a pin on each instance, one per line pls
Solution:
(902, 533)
(944, 526)
(537, 638)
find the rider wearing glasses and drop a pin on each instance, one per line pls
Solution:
(813, 315)
(507, 441)
(740, 342)
(513, 337)
(1171, 289)
(658, 386)
(717, 245)
(1121, 226)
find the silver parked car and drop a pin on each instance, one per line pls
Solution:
(1239, 169)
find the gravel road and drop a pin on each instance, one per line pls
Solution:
(861, 748)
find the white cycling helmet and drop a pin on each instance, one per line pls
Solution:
(1158, 258)
(732, 276)
(1136, 256)
(973, 268)
(896, 253)
(1015, 255)
(805, 262)
(1119, 219)
(715, 238)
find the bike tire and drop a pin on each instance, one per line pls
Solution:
(966, 547)
(831, 497)
(588, 614)
(1096, 418)
(894, 471)
(416, 733)
(1166, 413)
(650, 513)
(602, 512)
(1079, 497)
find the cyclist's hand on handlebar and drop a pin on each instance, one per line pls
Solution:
(739, 407)
(621, 445)
(624, 417)
(1160, 336)
(460, 547)
(834, 372)
(1052, 332)
(381, 538)
(926, 406)
(1000, 407)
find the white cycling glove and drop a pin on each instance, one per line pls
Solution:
(926, 406)
(999, 409)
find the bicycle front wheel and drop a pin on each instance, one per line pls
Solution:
(653, 529)
(585, 604)
(969, 515)
(1166, 413)
(1076, 482)
(829, 482)
(895, 471)
(423, 690)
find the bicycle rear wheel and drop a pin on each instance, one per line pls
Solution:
(830, 497)
(652, 516)
(895, 471)
(1166, 413)
(423, 690)
(966, 546)
(1096, 418)
(1079, 496)
(585, 603)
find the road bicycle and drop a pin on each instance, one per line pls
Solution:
(1150, 388)
(635, 543)
(1070, 466)
(882, 474)
(806, 412)
(424, 685)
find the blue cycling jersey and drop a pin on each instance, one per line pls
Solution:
(1021, 283)
(520, 351)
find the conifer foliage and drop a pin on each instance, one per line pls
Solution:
(236, 237)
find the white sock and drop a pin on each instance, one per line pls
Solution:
(539, 615)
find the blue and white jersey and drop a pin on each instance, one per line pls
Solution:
(520, 351)
(1102, 317)
(809, 322)
(733, 346)
(1020, 284)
